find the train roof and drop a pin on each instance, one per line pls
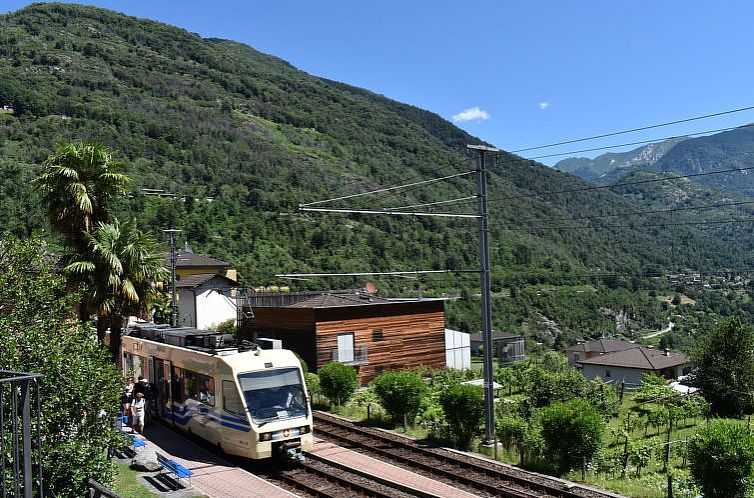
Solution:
(239, 355)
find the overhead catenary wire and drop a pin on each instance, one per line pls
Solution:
(640, 142)
(632, 130)
(638, 213)
(632, 226)
(388, 189)
(622, 184)
(370, 273)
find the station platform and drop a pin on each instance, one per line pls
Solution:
(214, 477)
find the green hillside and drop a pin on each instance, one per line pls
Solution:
(616, 163)
(242, 138)
(732, 149)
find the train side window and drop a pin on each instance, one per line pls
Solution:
(179, 385)
(206, 392)
(231, 399)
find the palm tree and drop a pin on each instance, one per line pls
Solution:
(78, 183)
(120, 269)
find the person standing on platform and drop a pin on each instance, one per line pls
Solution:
(138, 410)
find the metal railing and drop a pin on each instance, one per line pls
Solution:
(20, 431)
(356, 356)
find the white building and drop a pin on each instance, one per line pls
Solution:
(205, 300)
(627, 366)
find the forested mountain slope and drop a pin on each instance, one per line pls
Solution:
(245, 137)
(616, 163)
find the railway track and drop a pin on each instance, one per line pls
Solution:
(475, 475)
(322, 479)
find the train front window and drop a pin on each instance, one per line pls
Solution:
(273, 394)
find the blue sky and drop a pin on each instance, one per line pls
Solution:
(527, 73)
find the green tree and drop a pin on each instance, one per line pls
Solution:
(80, 387)
(722, 460)
(337, 382)
(400, 393)
(463, 405)
(724, 368)
(77, 186)
(120, 269)
(572, 431)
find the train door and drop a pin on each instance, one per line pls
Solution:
(163, 404)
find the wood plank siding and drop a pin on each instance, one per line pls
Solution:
(396, 335)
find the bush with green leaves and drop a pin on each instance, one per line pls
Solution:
(722, 460)
(337, 382)
(400, 393)
(80, 388)
(573, 431)
(463, 405)
(724, 367)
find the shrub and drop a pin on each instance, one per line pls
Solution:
(400, 394)
(338, 382)
(722, 460)
(572, 431)
(464, 410)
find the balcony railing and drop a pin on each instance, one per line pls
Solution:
(20, 430)
(356, 356)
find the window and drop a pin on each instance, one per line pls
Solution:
(377, 335)
(345, 347)
(179, 385)
(231, 399)
(576, 356)
(608, 374)
(205, 390)
(273, 394)
(135, 365)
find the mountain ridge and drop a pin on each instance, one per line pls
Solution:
(218, 119)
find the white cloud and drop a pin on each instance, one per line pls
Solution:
(471, 114)
(544, 105)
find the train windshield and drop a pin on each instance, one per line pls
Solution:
(273, 394)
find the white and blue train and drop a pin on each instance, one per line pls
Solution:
(247, 401)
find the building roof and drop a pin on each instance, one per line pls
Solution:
(603, 346)
(328, 300)
(639, 358)
(190, 260)
(194, 281)
(496, 336)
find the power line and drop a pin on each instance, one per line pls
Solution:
(388, 189)
(719, 130)
(612, 134)
(632, 226)
(362, 274)
(636, 213)
(450, 201)
(624, 184)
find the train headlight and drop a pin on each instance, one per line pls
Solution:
(265, 436)
(305, 429)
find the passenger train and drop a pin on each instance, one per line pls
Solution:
(248, 401)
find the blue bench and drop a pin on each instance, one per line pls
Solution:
(174, 467)
(135, 441)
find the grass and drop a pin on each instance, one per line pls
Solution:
(126, 484)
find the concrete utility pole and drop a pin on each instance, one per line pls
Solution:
(173, 258)
(484, 259)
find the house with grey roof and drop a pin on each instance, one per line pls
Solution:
(628, 365)
(205, 300)
(590, 349)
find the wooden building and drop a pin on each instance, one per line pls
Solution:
(372, 333)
